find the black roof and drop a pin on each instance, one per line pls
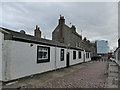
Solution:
(17, 36)
(25, 37)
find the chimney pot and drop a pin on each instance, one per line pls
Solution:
(61, 20)
(37, 32)
(73, 27)
(85, 39)
(61, 17)
(37, 27)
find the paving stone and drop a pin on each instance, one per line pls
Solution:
(113, 75)
(91, 76)
(113, 86)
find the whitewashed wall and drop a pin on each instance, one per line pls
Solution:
(59, 63)
(116, 55)
(22, 60)
(77, 60)
(87, 59)
(1, 39)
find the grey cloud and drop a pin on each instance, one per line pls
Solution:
(96, 20)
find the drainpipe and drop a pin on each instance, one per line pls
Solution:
(84, 56)
(55, 57)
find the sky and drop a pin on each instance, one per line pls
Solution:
(94, 20)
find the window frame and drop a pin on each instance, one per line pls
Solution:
(62, 58)
(118, 56)
(74, 56)
(86, 55)
(79, 55)
(43, 60)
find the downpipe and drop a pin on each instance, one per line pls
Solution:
(55, 57)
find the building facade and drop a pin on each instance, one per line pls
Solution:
(117, 51)
(69, 36)
(23, 55)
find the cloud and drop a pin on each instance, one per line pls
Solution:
(96, 20)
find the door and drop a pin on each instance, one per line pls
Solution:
(83, 57)
(67, 60)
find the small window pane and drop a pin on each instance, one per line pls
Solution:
(79, 54)
(74, 54)
(62, 54)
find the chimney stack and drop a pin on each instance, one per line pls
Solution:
(85, 39)
(61, 27)
(61, 20)
(73, 27)
(36, 27)
(37, 32)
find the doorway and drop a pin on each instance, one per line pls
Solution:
(67, 59)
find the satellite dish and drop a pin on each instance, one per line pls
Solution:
(22, 32)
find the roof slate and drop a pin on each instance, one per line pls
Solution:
(17, 35)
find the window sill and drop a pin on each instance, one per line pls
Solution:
(43, 61)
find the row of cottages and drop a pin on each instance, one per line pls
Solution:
(23, 55)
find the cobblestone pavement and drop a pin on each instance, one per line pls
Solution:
(113, 75)
(86, 75)
(92, 76)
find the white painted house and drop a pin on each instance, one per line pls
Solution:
(23, 55)
(117, 56)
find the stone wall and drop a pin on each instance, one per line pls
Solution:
(72, 38)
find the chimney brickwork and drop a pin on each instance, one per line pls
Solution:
(37, 32)
(61, 27)
(69, 36)
(73, 28)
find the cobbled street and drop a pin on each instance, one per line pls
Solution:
(87, 75)
(92, 76)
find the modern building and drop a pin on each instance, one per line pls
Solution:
(102, 47)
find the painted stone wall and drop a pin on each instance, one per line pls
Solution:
(1, 39)
(21, 59)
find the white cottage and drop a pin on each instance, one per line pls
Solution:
(23, 55)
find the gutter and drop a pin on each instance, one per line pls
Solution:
(3, 31)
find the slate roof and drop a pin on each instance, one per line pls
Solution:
(17, 36)
(73, 32)
(25, 37)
